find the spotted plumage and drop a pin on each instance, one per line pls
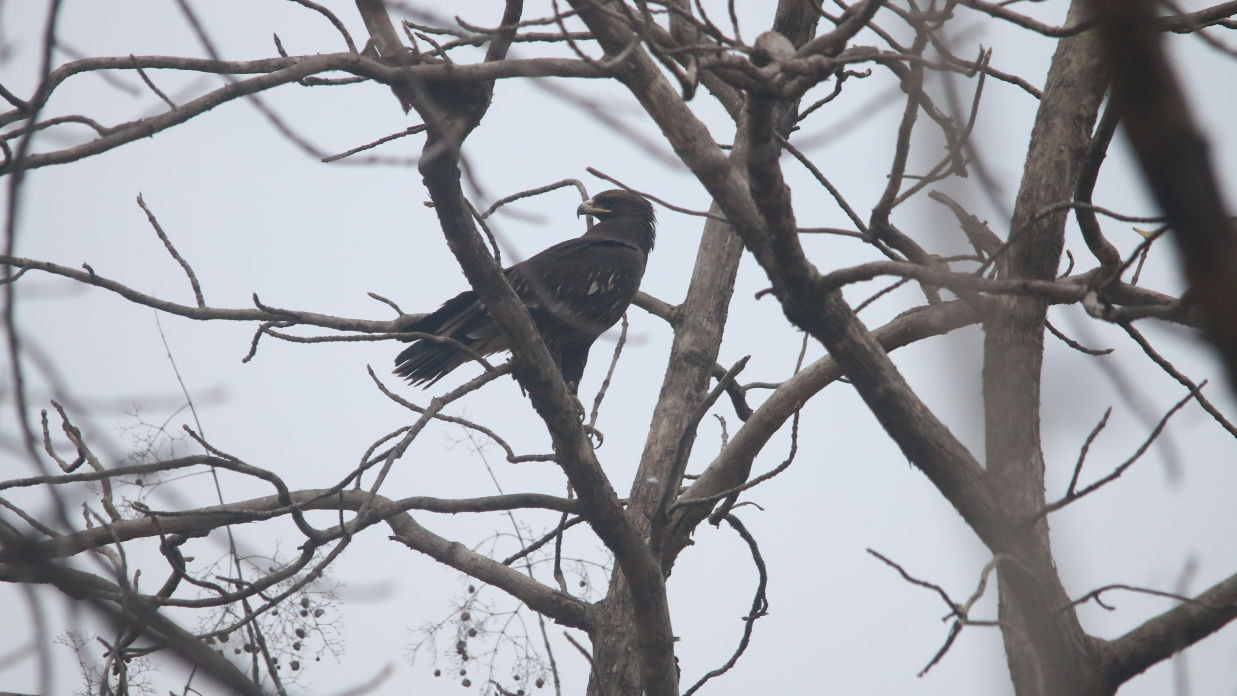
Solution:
(574, 291)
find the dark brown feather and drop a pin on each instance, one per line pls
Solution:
(574, 291)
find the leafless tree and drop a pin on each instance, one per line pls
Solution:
(671, 57)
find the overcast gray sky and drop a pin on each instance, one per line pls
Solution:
(254, 213)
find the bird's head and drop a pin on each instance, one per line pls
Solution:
(617, 203)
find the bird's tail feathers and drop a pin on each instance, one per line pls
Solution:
(426, 361)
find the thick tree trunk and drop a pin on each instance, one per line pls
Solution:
(1047, 651)
(616, 666)
(699, 326)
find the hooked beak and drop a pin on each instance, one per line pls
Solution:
(590, 208)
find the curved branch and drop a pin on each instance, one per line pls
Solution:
(733, 464)
(135, 470)
(537, 373)
(89, 277)
(146, 127)
(1176, 629)
(921, 436)
(202, 520)
(279, 71)
(560, 607)
(120, 607)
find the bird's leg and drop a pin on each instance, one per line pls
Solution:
(596, 435)
(571, 360)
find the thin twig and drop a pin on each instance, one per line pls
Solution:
(956, 611)
(579, 186)
(1176, 374)
(760, 605)
(1116, 473)
(1086, 447)
(545, 539)
(411, 130)
(605, 383)
(1075, 344)
(193, 278)
(142, 74)
(512, 457)
(592, 666)
(1095, 595)
(655, 199)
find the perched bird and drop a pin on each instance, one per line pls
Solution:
(574, 290)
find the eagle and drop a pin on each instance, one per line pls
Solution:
(574, 291)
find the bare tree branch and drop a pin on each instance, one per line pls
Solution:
(1163, 636)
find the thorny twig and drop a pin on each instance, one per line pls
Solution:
(1096, 593)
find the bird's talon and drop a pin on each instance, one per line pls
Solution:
(594, 434)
